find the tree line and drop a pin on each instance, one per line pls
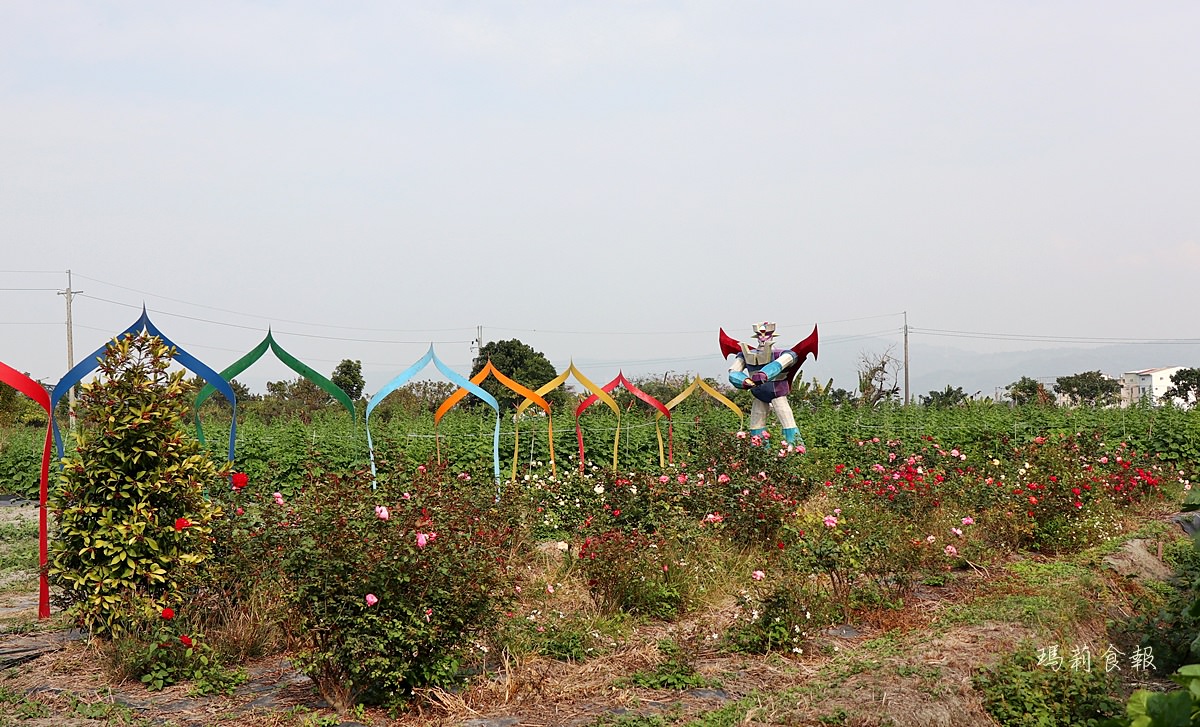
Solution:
(877, 385)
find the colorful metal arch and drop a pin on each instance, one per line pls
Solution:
(553, 384)
(700, 383)
(594, 390)
(454, 377)
(289, 360)
(530, 395)
(620, 380)
(37, 392)
(191, 363)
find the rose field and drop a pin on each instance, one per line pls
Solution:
(982, 564)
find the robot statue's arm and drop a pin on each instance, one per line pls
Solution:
(737, 373)
(774, 371)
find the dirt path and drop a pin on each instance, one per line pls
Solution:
(855, 676)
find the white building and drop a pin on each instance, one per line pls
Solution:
(1147, 384)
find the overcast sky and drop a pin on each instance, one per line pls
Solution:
(608, 181)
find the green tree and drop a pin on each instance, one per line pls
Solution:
(1090, 387)
(1028, 390)
(519, 362)
(348, 377)
(240, 391)
(1185, 385)
(18, 409)
(298, 398)
(950, 396)
(133, 518)
(414, 398)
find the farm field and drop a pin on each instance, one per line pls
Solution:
(911, 566)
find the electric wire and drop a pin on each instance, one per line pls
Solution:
(281, 320)
(259, 328)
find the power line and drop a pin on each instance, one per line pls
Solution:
(259, 328)
(1031, 338)
(281, 320)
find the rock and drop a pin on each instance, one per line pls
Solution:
(708, 694)
(1135, 560)
(1189, 521)
(493, 722)
(552, 548)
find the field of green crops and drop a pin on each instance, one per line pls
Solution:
(463, 439)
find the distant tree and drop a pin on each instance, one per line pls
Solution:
(414, 398)
(877, 379)
(949, 397)
(294, 398)
(838, 397)
(520, 363)
(348, 377)
(16, 408)
(1090, 387)
(1027, 390)
(240, 391)
(812, 392)
(1185, 385)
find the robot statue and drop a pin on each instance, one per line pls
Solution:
(768, 373)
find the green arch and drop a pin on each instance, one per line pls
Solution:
(291, 361)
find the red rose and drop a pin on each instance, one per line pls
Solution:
(168, 613)
(240, 480)
(186, 640)
(182, 523)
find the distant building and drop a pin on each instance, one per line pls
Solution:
(1148, 385)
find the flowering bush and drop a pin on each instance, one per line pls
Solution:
(133, 518)
(160, 650)
(751, 483)
(779, 610)
(383, 605)
(632, 571)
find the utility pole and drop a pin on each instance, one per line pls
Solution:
(69, 293)
(478, 342)
(907, 400)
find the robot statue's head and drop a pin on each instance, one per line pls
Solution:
(765, 333)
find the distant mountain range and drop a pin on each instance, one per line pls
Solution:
(988, 373)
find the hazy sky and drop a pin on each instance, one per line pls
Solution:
(606, 181)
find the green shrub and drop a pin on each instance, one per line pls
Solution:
(21, 460)
(632, 572)
(384, 602)
(1019, 693)
(675, 671)
(161, 651)
(133, 517)
(752, 485)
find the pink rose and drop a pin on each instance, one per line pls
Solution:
(758, 575)
(381, 512)
(371, 599)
